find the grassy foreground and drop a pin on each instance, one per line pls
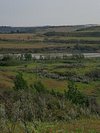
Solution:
(91, 125)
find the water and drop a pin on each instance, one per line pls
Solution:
(53, 55)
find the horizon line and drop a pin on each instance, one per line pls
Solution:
(63, 25)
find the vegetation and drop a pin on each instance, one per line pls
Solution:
(29, 105)
(50, 39)
(51, 92)
(20, 83)
(76, 96)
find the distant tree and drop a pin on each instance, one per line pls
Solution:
(17, 31)
(7, 58)
(28, 57)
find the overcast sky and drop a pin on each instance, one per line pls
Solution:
(49, 12)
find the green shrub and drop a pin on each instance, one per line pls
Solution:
(74, 95)
(39, 87)
(20, 83)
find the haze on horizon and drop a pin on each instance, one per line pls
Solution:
(49, 12)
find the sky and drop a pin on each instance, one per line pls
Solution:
(49, 12)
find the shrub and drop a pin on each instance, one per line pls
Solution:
(20, 83)
(74, 95)
(39, 87)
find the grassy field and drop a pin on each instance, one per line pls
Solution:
(54, 74)
(60, 67)
(44, 43)
(80, 126)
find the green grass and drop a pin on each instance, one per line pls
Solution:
(29, 73)
(77, 126)
(75, 38)
(80, 126)
(30, 41)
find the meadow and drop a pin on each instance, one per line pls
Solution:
(51, 94)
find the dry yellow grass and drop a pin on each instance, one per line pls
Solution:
(19, 36)
(78, 126)
(6, 78)
(23, 46)
(55, 84)
(27, 45)
(5, 85)
(24, 41)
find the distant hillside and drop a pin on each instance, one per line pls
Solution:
(44, 29)
(95, 28)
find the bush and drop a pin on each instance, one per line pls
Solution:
(39, 87)
(76, 96)
(20, 83)
(9, 61)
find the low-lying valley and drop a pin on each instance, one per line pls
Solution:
(50, 79)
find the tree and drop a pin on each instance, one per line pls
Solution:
(20, 83)
(28, 57)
